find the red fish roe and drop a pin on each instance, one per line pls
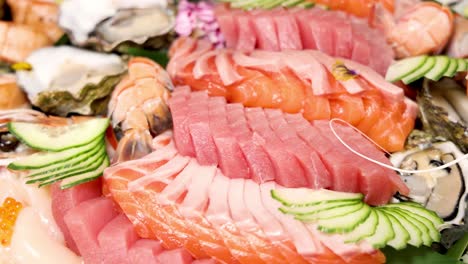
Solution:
(8, 213)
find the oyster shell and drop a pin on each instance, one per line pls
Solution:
(67, 80)
(444, 111)
(443, 191)
(106, 24)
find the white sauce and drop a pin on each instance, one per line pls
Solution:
(80, 17)
(37, 238)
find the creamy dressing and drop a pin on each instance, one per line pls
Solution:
(37, 238)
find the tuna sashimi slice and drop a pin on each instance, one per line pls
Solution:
(85, 222)
(227, 25)
(265, 30)
(64, 200)
(175, 256)
(247, 38)
(289, 36)
(115, 240)
(204, 261)
(144, 251)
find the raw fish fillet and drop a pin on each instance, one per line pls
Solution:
(269, 145)
(185, 204)
(332, 32)
(309, 82)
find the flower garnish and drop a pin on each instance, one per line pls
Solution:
(341, 72)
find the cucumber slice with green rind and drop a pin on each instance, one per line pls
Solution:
(441, 65)
(327, 205)
(344, 223)
(418, 209)
(404, 67)
(44, 159)
(64, 165)
(383, 232)
(462, 65)
(85, 177)
(86, 164)
(430, 233)
(343, 210)
(365, 229)
(90, 160)
(58, 138)
(452, 69)
(401, 234)
(415, 233)
(419, 73)
(91, 168)
(306, 197)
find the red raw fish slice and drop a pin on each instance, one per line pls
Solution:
(144, 251)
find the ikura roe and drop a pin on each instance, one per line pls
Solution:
(8, 213)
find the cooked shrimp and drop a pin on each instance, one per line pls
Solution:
(11, 95)
(458, 46)
(424, 28)
(18, 41)
(38, 13)
(138, 108)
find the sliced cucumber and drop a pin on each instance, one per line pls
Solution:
(327, 205)
(418, 209)
(85, 177)
(383, 232)
(291, 3)
(365, 229)
(86, 164)
(401, 235)
(343, 210)
(58, 138)
(429, 234)
(404, 67)
(452, 68)
(92, 159)
(344, 223)
(64, 165)
(462, 65)
(441, 65)
(44, 159)
(415, 233)
(97, 162)
(306, 197)
(419, 73)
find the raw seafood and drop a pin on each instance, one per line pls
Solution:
(424, 28)
(173, 198)
(332, 32)
(138, 108)
(268, 145)
(307, 82)
(37, 13)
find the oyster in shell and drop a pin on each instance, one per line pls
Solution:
(67, 80)
(443, 191)
(107, 24)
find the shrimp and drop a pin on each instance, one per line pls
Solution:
(11, 95)
(424, 28)
(18, 41)
(138, 108)
(38, 13)
(458, 46)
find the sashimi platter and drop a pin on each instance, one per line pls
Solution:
(233, 131)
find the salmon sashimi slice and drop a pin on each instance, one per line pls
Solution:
(188, 202)
(308, 82)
